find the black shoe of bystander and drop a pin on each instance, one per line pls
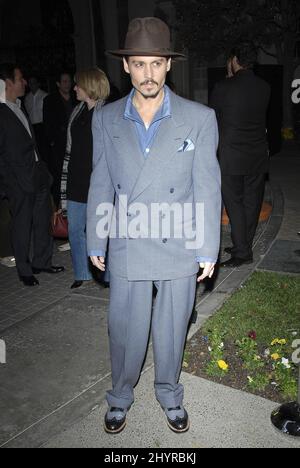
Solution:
(29, 281)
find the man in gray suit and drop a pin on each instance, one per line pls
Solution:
(155, 192)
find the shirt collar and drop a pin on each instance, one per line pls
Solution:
(17, 104)
(163, 112)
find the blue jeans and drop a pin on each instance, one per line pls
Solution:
(77, 213)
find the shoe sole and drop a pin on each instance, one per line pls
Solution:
(83, 286)
(178, 431)
(8, 265)
(115, 432)
(30, 285)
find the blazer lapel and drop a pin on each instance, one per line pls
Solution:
(125, 140)
(170, 137)
(18, 122)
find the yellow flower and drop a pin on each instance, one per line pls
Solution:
(275, 357)
(282, 342)
(223, 365)
(274, 342)
(278, 341)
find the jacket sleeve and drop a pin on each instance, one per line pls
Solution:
(2, 163)
(216, 100)
(47, 120)
(101, 193)
(207, 190)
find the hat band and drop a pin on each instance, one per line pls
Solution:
(150, 49)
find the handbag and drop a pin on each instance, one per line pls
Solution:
(60, 226)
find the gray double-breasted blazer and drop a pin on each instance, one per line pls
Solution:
(180, 175)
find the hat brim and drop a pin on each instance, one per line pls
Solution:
(119, 54)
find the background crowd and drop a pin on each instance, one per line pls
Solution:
(53, 149)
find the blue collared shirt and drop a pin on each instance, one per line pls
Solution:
(146, 137)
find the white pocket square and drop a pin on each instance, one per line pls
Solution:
(188, 145)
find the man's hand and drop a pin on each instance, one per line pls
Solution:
(98, 262)
(208, 271)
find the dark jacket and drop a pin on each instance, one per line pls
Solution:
(241, 105)
(18, 166)
(81, 159)
(56, 118)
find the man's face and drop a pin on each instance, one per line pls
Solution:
(235, 67)
(148, 74)
(230, 72)
(65, 84)
(17, 87)
(33, 85)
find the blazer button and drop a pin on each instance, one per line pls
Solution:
(172, 190)
(119, 186)
(165, 241)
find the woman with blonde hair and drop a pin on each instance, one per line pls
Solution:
(92, 89)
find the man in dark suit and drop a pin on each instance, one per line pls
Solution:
(57, 111)
(25, 181)
(241, 103)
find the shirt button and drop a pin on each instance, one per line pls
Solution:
(147, 150)
(172, 190)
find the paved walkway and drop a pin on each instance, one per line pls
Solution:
(53, 385)
(286, 173)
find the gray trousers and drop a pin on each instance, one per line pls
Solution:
(129, 325)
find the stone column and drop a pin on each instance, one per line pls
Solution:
(111, 33)
(84, 37)
(180, 74)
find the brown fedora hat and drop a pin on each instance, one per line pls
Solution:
(147, 37)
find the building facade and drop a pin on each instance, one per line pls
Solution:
(46, 36)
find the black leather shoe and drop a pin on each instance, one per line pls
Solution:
(114, 424)
(179, 424)
(29, 281)
(77, 284)
(228, 250)
(54, 270)
(236, 262)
